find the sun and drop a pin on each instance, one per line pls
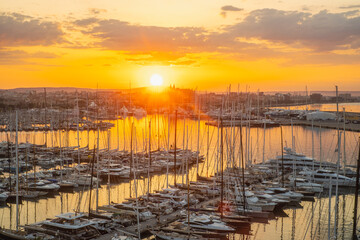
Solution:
(156, 80)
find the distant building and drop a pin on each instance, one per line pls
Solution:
(344, 96)
(315, 97)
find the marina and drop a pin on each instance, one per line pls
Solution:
(130, 185)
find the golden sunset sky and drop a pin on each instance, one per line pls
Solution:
(267, 45)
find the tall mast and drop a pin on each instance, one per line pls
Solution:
(293, 149)
(187, 179)
(108, 165)
(337, 164)
(221, 168)
(312, 144)
(320, 147)
(77, 127)
(97, 170)
(175, 148)
(242, 167)
(149, 165)
(263, 160)
(344, 143)
(282, 158)
(168, 149)
(354, 235)
(9, 160)
(198, 142)
(117, 126)
(17, 172)
(45, 120)
(207, 149)
(131, 152)
(135, 188)
(61, 162)
(91, 179)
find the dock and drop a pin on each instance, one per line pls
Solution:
(323, 124)
(154, 222)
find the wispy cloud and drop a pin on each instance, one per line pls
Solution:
(350, 6)
(17, 57)
(229, 8)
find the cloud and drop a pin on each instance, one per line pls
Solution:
(97, 10)
(350, 6)
(18, 57)
(119, 35)
(229, 8)
(262, 34)
(86, 21)
(162, 58)
(323, 31)
(20, 30)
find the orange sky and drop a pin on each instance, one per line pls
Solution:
(270, 45)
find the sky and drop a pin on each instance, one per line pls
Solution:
(199, 44)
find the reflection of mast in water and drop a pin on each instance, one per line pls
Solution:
(10, 216)
(282, 229)
(343, 217)
(61, 203)
(34, 212)
(293, 224)
(312, 220)
(319, 220)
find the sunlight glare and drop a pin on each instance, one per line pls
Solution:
(156, 80)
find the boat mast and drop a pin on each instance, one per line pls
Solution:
(207, 148)
(242, 166)
(108, 165)
(149, 164)
(97, 170)
(198, 141)
(337, 164)
(263, 160)
(182, 162)
(187, 179)
(175, 149)
(221, 167)
(354, 235)
(135, 188)
(117, 125)
(91, 179)
(61, 162)
(329, 217)
(293, 150)
(45, 120)
(9, 161)
(344, 143)
(282, 158)
(320, 147)
(77, 127)
(168, 149)
(131, 153)
(17, 172)
(312, 145)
